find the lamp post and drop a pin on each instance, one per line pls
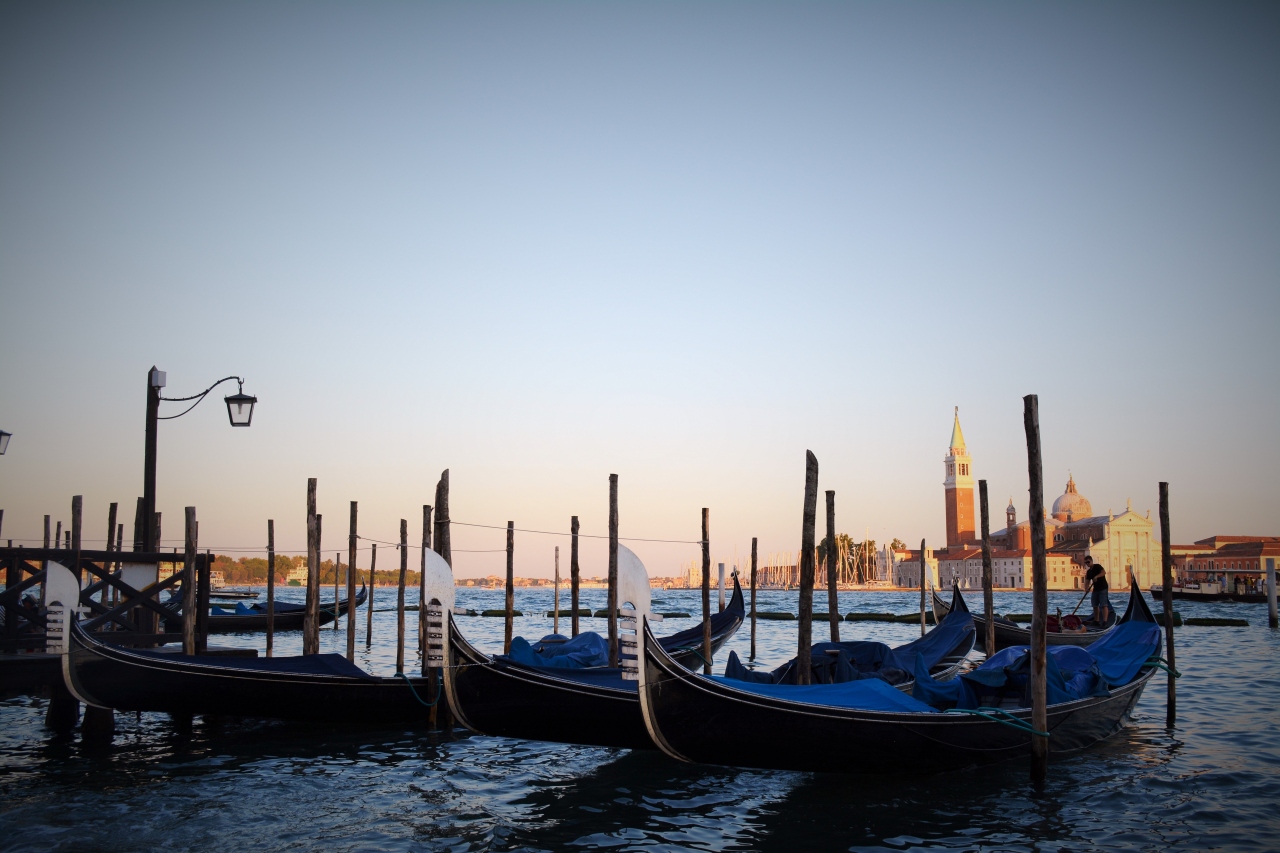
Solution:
(239, 412)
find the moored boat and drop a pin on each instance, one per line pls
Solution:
(1010, 633)
(253, 617)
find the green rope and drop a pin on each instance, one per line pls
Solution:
(990, 714)
(695, 651)
(415, 692)
(1160, 663)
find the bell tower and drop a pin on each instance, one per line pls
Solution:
(958, 488)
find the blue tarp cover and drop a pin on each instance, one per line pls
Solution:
(1071, 672)
(870, 694)
(585, 650)
(326, 664)
(837, 663)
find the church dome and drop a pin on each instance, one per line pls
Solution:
(1072, 506)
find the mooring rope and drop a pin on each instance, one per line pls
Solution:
(990, 714)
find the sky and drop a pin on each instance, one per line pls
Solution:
(540, 243)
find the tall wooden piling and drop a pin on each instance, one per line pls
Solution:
(203, 581)
(613, 570)
(373, 575)
(271, 585)
(753, 599)
(57, 537)
(46, 533)
(352, 543)
(555, 605)
(111, 535)
(115, 592)
(508, 625)
(1039, 592)
(924, 569)
(804, 670)
(404, 568)
(988, 600)
(311, 619)
(189, 584)
(573, 572)
(1273, 619)
(422, 586)
(1166, 593)
(337, 571)
(444, 540)
(139, 526)
(833, 596)
(706, 591)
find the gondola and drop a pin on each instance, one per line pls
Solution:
(289, 617)
(943, 650)
(595, 706)
(1011, 634)
(868, 727)
(323, 687)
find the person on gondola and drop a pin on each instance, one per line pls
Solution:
(1095, 577)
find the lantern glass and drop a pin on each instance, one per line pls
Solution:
(4, 441)
(240, 409)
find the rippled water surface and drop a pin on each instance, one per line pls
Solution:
(1212, 783)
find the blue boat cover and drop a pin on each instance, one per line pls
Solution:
(1071, 672)
(326, 664)
(556, 651)
(837, 663)
(870, 694)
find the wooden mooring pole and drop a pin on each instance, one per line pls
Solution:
(573, 572)
(804, 666)
(404, 568)
(1273, 619)
(422, 587)
(555, 604)
(311, 618)
(337, 571)
(1166, 593)
(271, 585)
(510, 600)
(613, 570)
(1039, 592)
(373, 575)
(833, 575)
(46, 533)
(753, 598)
(924, 568)
(189, 585)
(988, 601)
(352, 542)
(111, 535)
(706, 591)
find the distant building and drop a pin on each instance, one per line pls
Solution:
(1237, 563)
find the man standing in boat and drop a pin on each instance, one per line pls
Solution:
(1095, 577)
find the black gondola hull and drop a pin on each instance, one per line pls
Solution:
(291, 620)
(704, 721)
(108, 676)
(1012, 635)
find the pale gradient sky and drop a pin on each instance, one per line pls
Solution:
(540, 243)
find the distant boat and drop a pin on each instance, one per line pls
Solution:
(1206, 592)
(1012, 634)
(289, 617)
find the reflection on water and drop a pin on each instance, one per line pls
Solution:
(238, 784)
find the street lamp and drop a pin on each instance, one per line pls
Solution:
(4, 441)
(239, 411)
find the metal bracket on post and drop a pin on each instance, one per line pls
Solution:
(435, 636)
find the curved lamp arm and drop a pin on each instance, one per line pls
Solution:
(198, 397)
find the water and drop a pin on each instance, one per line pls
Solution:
(1213, 783)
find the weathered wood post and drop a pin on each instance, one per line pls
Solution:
(189, 584)
(57, 537)
(1272, 617)
(46, 533)
(352, 542)
(404, 568)
(1166, 593)
(1039, 592)
(271, 585)
(555, 606)
(510, 603)
(706, 591)
(139, 527)
(804, 667)
(924, 567)
(373, 576)
(115, 592)
(444, 542)
(111, 535)
(573, 571)
(422, 589)
(613, 570)
(311, 619)
(73, 536)
(203, 580)
(337, 570)
(833, 575)
(753, 599)
(720, 587)
(988, 600)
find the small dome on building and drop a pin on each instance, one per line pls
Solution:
(1072, 506)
